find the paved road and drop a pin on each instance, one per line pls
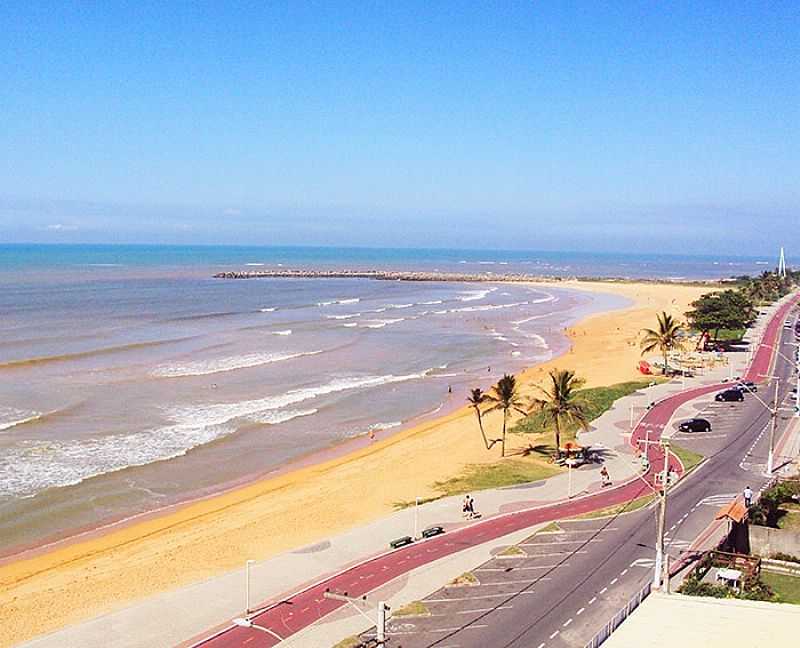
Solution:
(294, 614)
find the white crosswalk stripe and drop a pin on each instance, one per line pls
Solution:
(718, 500)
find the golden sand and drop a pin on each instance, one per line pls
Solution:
(206, 538)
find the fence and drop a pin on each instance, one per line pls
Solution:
(619, 617)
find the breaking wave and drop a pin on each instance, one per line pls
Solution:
(206, 367)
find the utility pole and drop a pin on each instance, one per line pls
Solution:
(661, 567)
(774, 416)
(782, 265)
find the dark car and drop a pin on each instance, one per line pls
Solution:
(729, 395)
(695, 425)
(747, 386)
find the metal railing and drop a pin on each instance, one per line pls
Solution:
(619, 617)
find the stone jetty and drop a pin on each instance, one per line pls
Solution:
(382, 275)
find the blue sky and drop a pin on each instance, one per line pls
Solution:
(539, 125)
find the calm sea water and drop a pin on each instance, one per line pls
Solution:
(89, 259)
(132, 379)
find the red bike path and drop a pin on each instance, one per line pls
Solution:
(300, 610)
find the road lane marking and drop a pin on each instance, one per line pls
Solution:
(579, 612)
(594, 598)
(613, 581)
(523, 568)
(603, 591)
(468, 627)
(623, 572)
(554, 635)
(567, 622)
(477, 610)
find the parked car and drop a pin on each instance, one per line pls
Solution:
(747, 386)
(729, 395)
(695, 425)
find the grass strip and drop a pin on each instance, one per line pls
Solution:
(617, 509)
(597, 400)
(688, 458)
(786, 587)
(415, 608)
(467, 578)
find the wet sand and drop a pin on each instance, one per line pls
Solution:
(109, 569)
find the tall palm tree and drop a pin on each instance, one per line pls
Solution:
(476, 398)
(505, 397)
(560, 404)
(664, 338)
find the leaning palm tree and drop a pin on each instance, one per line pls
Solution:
(505, 397)
(664, 338)
(560, 403)
(476, 398)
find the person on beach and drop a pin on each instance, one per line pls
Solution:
(604, 477)
(372, 435)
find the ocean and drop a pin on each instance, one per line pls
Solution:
(132, 379)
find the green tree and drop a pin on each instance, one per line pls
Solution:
(726, 309)
(560, 403)
(505, 397)
(477, 398)
(664, 338)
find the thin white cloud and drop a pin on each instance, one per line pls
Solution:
(59, 227)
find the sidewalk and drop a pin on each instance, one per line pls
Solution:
(175, 617)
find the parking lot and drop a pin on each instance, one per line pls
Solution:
(490, 598)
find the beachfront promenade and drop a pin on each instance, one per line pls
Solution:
(172, 617)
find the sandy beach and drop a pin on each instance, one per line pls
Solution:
(106, 571)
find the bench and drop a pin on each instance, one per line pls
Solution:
(401, 542)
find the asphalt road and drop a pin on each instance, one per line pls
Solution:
(596, 576)
(571, 581)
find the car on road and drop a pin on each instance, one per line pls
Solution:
(695, 425)
(747, 386)
(729, 395)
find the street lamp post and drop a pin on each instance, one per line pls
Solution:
(247, 566)
(248, 623)
(773, 420)
(416, 518)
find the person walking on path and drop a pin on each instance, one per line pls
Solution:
(748, 496)
(604, 477)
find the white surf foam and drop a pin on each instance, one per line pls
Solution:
(350, 324)
(206, 367)
(268, 310)
(11, 417)
(400, 305)
(284, 332)
(475, 295)
(375, 324)
(343, 317)
(332, 302)
(486, 307)
(275, 418)
(432, 302)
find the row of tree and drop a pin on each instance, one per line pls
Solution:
(559, 402)
(736, 308)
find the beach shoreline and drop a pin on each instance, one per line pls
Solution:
(286, 497)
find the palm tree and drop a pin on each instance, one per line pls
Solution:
(506, 398)
(665, 338)
(477, 398)
(560, 404)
